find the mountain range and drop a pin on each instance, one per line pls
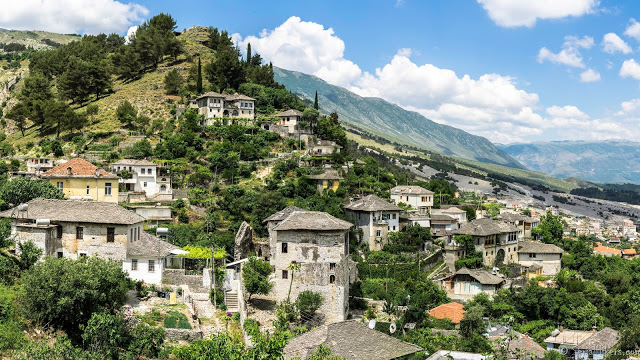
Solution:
(392, 122)
(600, 161)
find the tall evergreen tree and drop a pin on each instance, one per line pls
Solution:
(315, 102)
(199, 78)
(249, 54)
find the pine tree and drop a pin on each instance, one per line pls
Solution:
(199, 78)
(249, 54)
(315, 102)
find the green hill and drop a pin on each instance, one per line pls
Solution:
(37, 40)
(393, 122)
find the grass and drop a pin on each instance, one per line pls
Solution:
(177, 320)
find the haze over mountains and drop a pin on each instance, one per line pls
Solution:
(599, 161)
(393, 122)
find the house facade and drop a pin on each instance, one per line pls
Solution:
(143, 177)
(376, 217)
(289, 119)
(78, 178)
(548, 256)
(328, 180)
(456, 213)
(40, 165)
(465, 283)
(418, 198)
(598, 345)
(75, 228)
(212, 105)
(147, 258)
(524, 223)
(324, 148)
(318, 244)
(496, 240)
(443, 225)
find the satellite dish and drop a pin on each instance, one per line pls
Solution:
(392, 327)
(372, 323)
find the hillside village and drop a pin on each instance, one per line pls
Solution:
(224, 213)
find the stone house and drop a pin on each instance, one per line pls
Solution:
(289, 120)
(350, 340)
(144, 177)
(548, 255)
(39, 165)
(376, 217)
(456, 213)
(74, 228)
(443, 225)
(212, 105)
(417, 198)
(78, 178)
(566, 341)
(598, 345)
(465, 283)
(319, 244)
(153, 213)
(327, 180)
(323, 148)
(497, 240)
(147, 258)
(524, 223)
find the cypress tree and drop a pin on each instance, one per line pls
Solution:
(315, 102)
(199, 79)
(249, 54)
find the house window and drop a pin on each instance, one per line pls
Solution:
(134, 264)
(152, 266)
(83, 254)
(378, 233)
(532, 255)
(79, 232)
(394, 228)
(332, 266)
(111, 234)
(59, 231)
(149, 172)
(131, 235)
(60, 254)
(332, 279)
(142, 170)
(393, 216)
(60, 185)
(145, 184)
(88, 188)
(107, 189)
(285, 247)
(285, 274)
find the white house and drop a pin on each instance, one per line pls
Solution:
(376, 217)
(417, 197)
(289, 119)
(153, 213)
(212, 105)
(547, 255)
(144, 177)
(147, 258)
(456, 213)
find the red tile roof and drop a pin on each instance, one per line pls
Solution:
(452, 310)
(629, 251)
(79, 168)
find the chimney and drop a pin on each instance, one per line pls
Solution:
(69, 170)
(560, 328)
(594, 329)
(97, 172)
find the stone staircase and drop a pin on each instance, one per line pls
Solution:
(231, 300)
(439, 269)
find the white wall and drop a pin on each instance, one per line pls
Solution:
(142, 273)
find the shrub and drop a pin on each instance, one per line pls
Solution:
(309, 302)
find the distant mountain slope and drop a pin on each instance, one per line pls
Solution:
(603, 161)
(38, 40)
(393, 122)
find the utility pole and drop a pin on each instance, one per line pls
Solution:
(213, 275)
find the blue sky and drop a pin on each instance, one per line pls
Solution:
(509, 70)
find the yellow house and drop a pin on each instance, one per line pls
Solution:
(78, 178)
(327, 181)
(534, 271)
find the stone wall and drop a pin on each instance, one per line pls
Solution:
(182, 334)
(178, 277)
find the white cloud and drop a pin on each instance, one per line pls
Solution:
(514, 13)
(590, 75)
(570, 57)
(131, 33)
(567, 112)
(71, 16)
(571, 41)
(612, 43)
(630, 68)
(307, 47)
(633, 30)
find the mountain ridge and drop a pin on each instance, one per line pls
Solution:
(380, 117)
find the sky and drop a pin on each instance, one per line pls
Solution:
(508, 70)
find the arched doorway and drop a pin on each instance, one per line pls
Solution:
(500, 256)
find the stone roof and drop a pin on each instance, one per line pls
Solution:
(483, 276)
(210, 94)
(283, 214)
(79, 168)
(327, 175)
(534, 267)
(524, 345)
(290, 112)
(372, 203)
(410, 190)
(442, 218)
(235, 97)
(312, 220)
(349, 339)
(454, 210)
(134, 162)
(511, 217)
(326, 143)
(534, 247)
(455, 355)
(149, 246)
(453, 311)
(602, 340)
(569, 337)
(485, 227)
(97, 212)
